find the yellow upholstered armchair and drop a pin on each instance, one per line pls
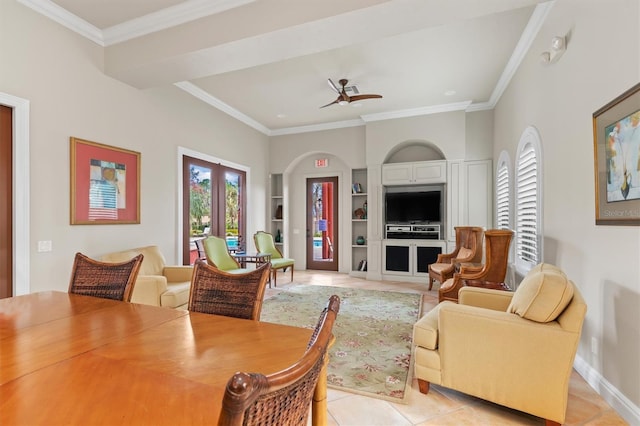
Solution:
(468, 250)
(265, 244)
(512, 348)
(217, 254)
(157, 284)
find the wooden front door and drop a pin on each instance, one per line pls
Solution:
(6, 202)
(322, 223)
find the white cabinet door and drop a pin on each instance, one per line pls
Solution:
(478, 193)
(414, 173)
(470, 195)
(455, 199)
(410, 258)
(397, 174)
(430, 172)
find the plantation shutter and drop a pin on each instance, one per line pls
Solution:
(502, 197)
(527, 206)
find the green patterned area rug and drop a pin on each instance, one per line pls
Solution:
(372, 352)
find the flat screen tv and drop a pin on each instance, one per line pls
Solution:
(413, 207)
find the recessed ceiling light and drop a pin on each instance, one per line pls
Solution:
(281, 115)
(450, 93)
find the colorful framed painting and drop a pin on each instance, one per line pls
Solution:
(616, 139)
(105, 184)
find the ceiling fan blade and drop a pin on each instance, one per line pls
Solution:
(333, 86)
(361, 97)
(331, 103)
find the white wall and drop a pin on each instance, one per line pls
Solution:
(601, 61)
(60, 73)
(445, 130)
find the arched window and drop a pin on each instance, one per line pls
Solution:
(528, 200)
(503, 192)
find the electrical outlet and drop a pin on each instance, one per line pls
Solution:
(594, 346)
(44, 246)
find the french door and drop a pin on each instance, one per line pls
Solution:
(214, 204)
(6, 201)
(322, 223)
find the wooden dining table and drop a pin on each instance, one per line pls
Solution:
(67, 359)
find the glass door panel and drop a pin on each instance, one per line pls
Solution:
(322, 223)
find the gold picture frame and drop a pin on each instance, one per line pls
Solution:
(105, 184)
(616, 146)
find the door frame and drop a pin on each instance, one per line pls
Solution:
(334, 265)
(182, 151)
(21, 212)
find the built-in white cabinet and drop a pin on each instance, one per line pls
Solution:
(359, 217)
(410, 258)
(420, 172)
(277, 210)
(469, 194)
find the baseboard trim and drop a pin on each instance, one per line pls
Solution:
(623, 406)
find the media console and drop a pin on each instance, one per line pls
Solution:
(413, 231)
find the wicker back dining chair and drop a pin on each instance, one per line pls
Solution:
(214, 291)
(108, 280)
(281, 398)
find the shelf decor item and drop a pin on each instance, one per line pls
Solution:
(616, 139)
(360, 240)
(359, 213)
(105, 184)
(278, 214)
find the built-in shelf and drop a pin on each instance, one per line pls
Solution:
(359, 200)
(277, 209)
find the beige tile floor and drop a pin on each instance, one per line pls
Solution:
(441, 406)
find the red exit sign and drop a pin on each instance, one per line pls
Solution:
(322, 162)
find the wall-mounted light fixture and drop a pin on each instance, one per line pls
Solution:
(558, 46)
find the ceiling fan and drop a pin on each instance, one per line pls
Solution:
(343, 98)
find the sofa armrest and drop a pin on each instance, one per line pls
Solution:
(148, 289)
(497, 300)
(178, 274)
(507, 359)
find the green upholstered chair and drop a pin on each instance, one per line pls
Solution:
(265, 244)
(217, 253)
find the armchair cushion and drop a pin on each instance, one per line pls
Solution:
(542, 295)
(464, 253)
(442, 267)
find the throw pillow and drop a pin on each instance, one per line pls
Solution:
(542, 295)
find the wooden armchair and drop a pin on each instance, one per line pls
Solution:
(222, 293)
(490, 275)
(282, 398)
(108, 280)
(468, 249)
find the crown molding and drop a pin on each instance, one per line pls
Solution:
(529, 34)
(194, 90)
(317, 127)
(413, 112)
(147, 24)
(65, 18)
(167, 18)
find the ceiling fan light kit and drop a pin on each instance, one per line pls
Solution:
(343, 98)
